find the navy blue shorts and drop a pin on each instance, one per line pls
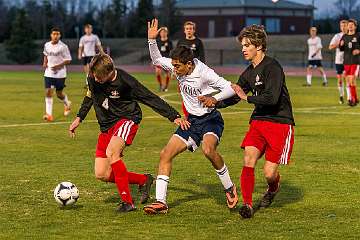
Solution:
(314, 63)
(87, 60)
(58, 83)
(339, 68)
(210, 123)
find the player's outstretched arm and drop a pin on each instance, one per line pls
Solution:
(73, 126)
(155, 54)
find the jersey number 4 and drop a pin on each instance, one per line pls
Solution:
(105, 104)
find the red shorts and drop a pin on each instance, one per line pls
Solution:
(351, 70)
(124, 128)
(276, 140)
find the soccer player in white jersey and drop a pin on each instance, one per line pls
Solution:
(314, 57)
(206, 124)
(56, 57)
(87, 47)
(339, 61)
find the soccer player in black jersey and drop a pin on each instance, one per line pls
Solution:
(271, 131)
(192, 41)
(350, 45)
(165, 46)
(115, 96)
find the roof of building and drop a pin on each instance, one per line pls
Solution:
(241, 3)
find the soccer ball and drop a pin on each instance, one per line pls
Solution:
(66, 193)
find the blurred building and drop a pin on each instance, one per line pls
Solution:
(221, 18)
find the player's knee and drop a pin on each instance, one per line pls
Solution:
(208, 150)
(165, 155)
(269, 174)
(249, 160)
(60, 95)
(101, 175)
(112, 154)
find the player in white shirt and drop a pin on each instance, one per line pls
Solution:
(314, 57)
(56, 57)
(339, 61)
(206, 124)
(87, 47)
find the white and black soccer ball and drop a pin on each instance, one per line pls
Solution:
(66, 193)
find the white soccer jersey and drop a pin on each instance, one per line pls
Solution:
(202, 81)
(314, 44)
(339, 55)
(56, 54)
(89, 42)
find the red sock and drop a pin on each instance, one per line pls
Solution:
(274, 186)
(122, 181)
(158, 78)
(247, 182)
(353, 93)
(184, 110)
(135, 178)
(112, 177)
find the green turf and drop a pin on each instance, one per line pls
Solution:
(319, 198)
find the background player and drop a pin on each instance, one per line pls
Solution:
(192, 41)
(350, 45)
(339, 61)
(165, 46)
(56, 57)
(314, 57)
(115, 96)
(88, 44)
(195, 78)
(271, 129)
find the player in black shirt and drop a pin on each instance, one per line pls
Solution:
(165, 46)
(115, 96)
(350, 44)
(193, 42)
(271, 129)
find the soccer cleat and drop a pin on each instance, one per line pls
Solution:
(231, 196)
(48, 118)
(306, 85)
(67, 109)
(145, 189)
(341, 100)
(166, 89)
(324, 84)
(125, 207)
(267, 199)
(246, 211)
(156, 208)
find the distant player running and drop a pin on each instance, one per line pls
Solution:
(115, 96)
(271, 129)
(350, 45)
(165, 46)
(195, 79)
(88, 44)
(314, 57)
(339, 61)
(56, 57)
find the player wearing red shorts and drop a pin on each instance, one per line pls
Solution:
(350, 44)
(115, 96)
(271, 131)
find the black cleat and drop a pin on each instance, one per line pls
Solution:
(246, 211)
(267, 199)
(306, 85)
(324, 84)
(341, 100)
(145, 189)
(125, 207)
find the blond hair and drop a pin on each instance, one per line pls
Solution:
(190, 23)
(101, 65)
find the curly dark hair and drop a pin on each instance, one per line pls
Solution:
(256, 35)
(182, 53)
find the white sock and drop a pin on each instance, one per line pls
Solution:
(224, 177)
(341, 89)
(162, 182)
(348, 93)
(66, 100)
(308, 79)
(49, 105)
(324, 78)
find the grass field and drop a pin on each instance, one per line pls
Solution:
(319, 198)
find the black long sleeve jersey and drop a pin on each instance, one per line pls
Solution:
(351, 42)
(196, 46)
(119, 99)
(165, 47)
(266, 82)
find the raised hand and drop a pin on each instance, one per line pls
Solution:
(153, 29)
